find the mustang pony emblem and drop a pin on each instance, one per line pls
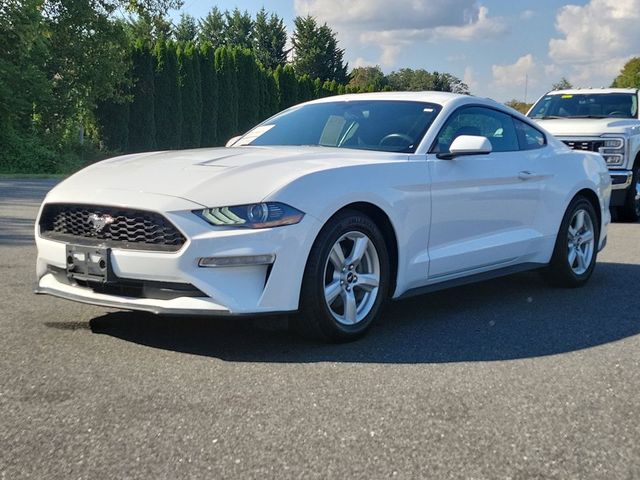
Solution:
(100, 221)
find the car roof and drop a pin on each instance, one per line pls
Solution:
(440, 98)
(592, 91)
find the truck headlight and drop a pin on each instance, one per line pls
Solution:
(614, 143)
(255, 215)
(613, 150)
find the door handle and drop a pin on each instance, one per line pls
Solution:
(526, 175)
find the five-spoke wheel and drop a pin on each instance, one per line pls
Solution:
(581, 242)
(352, 277)
(574, 255)
(346, 279)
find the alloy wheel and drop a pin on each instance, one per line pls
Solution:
(581, 242)
(351, 278)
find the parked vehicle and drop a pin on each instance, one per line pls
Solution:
(328, 208)
(603, 120)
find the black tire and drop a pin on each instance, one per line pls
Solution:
(630, 211)
(316, 319)
(559, 272)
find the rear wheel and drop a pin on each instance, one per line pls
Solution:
(346, 279)
(630, 211)
(576, 249)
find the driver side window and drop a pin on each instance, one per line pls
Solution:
(498, 127)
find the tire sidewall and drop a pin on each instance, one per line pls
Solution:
(314, 274)
(561, 254)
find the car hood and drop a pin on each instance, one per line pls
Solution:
(211, 176)
(588, 126)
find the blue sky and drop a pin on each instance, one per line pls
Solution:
(493, 45)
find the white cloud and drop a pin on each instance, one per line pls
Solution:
(527, 14)
(596, 39)
(470, 78)
(393, 29)
(481, 27)
(525, 68)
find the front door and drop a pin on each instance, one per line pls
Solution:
(484, 207)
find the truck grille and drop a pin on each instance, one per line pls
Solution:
(589, 145)
(110, 226)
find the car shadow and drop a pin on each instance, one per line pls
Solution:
(509, 318)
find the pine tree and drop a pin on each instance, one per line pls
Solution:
(249, 98)
(305, 89)
(187, 29)
(317, 88)
(316, 51)
(239, 29)
(269, 101)
(142, 128)
(212, 28)
(287, 86)
(269, 40)
(112, 117)
(227, 94)
(209, 96)
(191, 95)
(168, 97)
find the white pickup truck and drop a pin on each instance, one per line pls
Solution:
(603, 120)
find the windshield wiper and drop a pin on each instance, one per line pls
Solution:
(591, 116)
(549, 117)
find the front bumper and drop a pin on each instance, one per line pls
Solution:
(621, 180)
(233, 290)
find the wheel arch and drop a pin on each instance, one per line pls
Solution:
(383, 222)
(592, 197)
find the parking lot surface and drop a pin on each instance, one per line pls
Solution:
(507, 379)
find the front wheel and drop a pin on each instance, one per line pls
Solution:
(630, 211)
(576, 248)
(346, 280)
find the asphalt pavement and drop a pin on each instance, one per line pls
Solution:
(507, 379)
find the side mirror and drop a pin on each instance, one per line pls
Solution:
(467, 145)
(233, 140)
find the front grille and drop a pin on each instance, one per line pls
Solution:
(588, 145)
(109, 226)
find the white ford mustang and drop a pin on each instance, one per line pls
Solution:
(328, 208)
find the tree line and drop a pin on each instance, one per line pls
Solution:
(80, 81)
(189, 95)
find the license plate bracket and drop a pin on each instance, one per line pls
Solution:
(89, 264)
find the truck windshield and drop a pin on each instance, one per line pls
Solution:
(389, 126)
(597, 105)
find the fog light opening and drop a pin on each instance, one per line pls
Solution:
(236, 261)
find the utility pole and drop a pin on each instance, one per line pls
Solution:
(526, 84)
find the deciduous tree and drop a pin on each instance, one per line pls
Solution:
(629, 76)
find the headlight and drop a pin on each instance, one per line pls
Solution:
(614, 143)
(255, 215)
(613, 150)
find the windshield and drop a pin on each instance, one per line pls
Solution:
(599, 105)
(390, 126)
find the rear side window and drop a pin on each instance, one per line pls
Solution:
(530, 138)
(498, 127)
